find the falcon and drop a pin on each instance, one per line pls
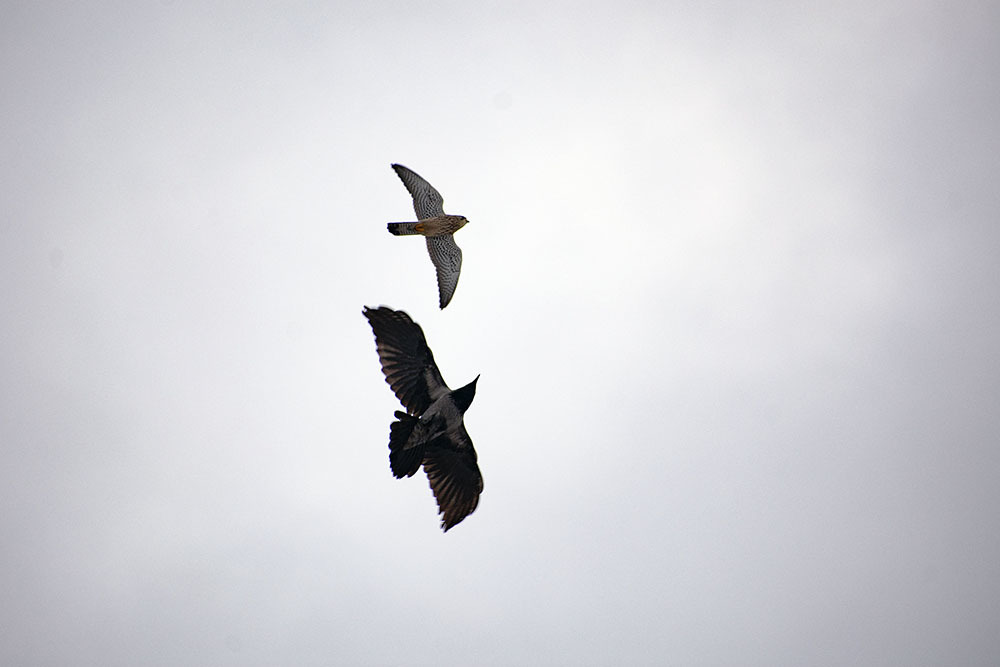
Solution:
(437, 227)
(432, 431)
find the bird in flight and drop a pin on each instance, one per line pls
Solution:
(432, 431)
(437, 227)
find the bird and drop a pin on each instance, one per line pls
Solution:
(432, 430)
(437, 227)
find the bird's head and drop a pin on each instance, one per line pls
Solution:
(463, 396)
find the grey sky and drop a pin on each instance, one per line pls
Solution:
(730, 280)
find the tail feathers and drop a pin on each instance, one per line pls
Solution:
(404, 462)
(403, 228)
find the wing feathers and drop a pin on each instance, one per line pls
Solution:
(454, 478)
(407, 362)
(447, 259)
(427, 202)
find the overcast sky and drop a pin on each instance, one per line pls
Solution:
(731, 280)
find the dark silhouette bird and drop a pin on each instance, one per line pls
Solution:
(432, 430)
(437, 227)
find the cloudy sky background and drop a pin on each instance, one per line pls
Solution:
(731, 281)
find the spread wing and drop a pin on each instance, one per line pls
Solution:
(447, 258)
(427, 202)
(407, 362)
(450, 464)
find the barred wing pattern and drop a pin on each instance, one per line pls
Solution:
(427, 202)
(407, 362)
(447, 259)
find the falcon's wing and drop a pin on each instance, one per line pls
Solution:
(407, 362)
(447, 258)
(450, 464)
(427, 202)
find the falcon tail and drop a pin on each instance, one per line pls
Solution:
(404, 462)
(403, 228)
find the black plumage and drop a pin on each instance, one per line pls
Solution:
(432, 430)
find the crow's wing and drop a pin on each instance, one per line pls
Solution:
(407, 362)
(450, 464)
